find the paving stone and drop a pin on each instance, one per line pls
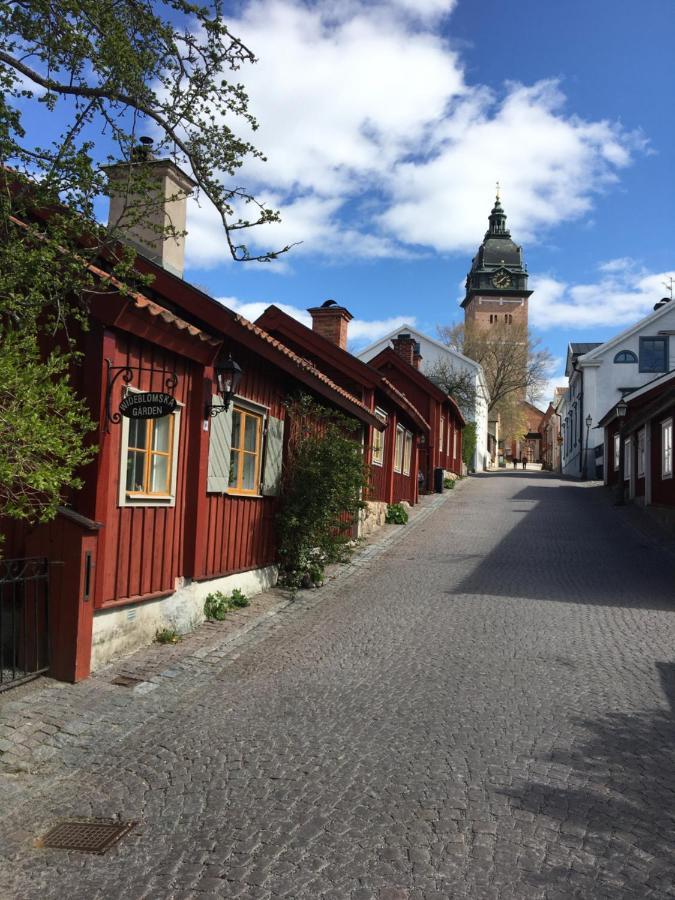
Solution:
(480, 706)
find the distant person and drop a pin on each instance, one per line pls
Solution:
(524, 462)
(515, 463)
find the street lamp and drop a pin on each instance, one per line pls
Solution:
(621, 410)
(228, 375)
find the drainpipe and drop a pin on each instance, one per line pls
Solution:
(582, 454)
(559, 446)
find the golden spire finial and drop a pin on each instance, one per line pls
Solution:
(497, 197)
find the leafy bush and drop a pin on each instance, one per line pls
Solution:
(322, 486)
(167, 636)
(217, 605)
(448, 483)
(468, 444)
(238, 599)
(397, 514)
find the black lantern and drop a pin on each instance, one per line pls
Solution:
(589, 421)
(621, 409)
(228, 376)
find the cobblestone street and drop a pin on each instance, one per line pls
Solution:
(484, 710)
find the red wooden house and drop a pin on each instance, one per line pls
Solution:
(180, 505)
(442, 452)
(638, 443)
(393, 453)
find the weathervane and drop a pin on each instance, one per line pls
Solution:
(497, 191)
(669, 285)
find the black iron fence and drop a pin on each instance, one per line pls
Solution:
(24, 636)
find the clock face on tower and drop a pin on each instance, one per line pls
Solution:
(501, 280)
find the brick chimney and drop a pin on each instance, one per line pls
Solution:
(417, 355)
(331, 321)
(142, 214)
(404, 345)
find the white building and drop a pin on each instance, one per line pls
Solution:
(600, 374)
(432, 353)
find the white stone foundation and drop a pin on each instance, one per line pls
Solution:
(117, 632)
(372, 517)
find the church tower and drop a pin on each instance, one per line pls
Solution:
(496, 286)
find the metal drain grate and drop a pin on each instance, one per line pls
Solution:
(95, 836)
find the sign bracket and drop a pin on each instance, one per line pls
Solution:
(127, 375)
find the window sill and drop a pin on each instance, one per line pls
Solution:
(245, 496)
(149, 500)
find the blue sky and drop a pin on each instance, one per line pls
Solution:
(386, 124)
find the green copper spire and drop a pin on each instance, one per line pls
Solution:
(497, 220)
(498, 268)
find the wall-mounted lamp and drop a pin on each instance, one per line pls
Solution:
(228, 375)
(589, 420)
(621, 409)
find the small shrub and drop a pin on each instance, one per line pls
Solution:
(167, 636)
(448, 483)
(397, 514)
(238, 599)
(217, 605)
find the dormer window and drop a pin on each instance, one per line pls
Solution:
(625, 356)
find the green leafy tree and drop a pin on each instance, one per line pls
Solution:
(468, 443)
(324, 481)
(40, 430)
(80, 81)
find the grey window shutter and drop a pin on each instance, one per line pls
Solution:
(220, 442)
(274, 449)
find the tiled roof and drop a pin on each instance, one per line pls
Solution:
(154, 309)
(300, 361)
(142, 302)
(401, 397)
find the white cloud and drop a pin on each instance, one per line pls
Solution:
(623, 294)
(556, 372)
(378, 144)
(253, 309)
(361, 331)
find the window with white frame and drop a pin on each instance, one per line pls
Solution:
(149, 460)
(407, 452)
(398, 449)
(440, 433)
(378, 447)
(641, 453)
(454, 444)
(667, 449)
(617, 452)
(378, 439)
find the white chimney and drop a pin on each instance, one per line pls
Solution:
(143, 218)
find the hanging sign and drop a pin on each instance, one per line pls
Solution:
(149, 405)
